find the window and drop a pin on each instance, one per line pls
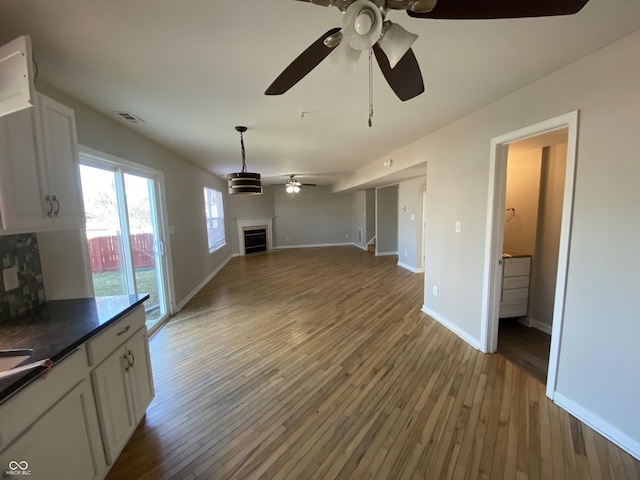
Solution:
(214, 213)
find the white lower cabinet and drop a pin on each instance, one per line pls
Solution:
(124, 389)
(74, 422)
(64, 442)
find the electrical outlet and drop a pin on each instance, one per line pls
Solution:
(287, 239)
(10, 277)
(458, 227)
(406, 253)
(435, 290)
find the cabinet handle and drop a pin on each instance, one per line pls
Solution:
(133, 359)
(55, 201)
(47, 199)
(126, 359)
(124, 330)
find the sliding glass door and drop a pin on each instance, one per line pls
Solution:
(124, 234)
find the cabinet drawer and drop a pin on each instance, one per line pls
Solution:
(515, 294)
(101, 346)
(515, 282)
(20, 411)
(513, 308)
(514, 267)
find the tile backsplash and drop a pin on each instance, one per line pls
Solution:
(21, 251)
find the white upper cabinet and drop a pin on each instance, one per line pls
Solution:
(21, 202)
(39, 174)
(63, 193)
(17, 90)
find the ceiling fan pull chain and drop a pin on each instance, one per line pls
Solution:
(370, 87)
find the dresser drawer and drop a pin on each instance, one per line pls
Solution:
(107, 341)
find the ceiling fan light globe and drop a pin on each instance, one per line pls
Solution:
(364, 22)
(396, 42)
(289, 189)
(346, 58)
(296, 189)
(362, 25)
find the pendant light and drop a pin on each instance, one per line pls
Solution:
(243, 181)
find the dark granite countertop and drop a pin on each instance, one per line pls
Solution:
(56, 329)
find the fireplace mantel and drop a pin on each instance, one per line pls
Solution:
(245, 223)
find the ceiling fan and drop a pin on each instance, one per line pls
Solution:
(365, 27)
(293, 185)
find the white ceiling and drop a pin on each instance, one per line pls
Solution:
(194, 69)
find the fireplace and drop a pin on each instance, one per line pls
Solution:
(255, 240)
(248, 224)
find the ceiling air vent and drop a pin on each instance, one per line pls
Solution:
(129, 117)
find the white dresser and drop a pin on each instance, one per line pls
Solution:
(516, 270)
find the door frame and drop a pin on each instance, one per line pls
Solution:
(495, 235)
(98, 158)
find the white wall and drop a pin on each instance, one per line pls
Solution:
(544, 266)
(523, 191)
(184, 181)
(410, 223)
(387, 220)
(601, 329)
(314, 216)
(370, 230)
(359, 217)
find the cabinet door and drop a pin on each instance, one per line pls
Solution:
(64, 443)
(16, 76)
(141, 378)
(61, 163)
(115, 410)
(21, 201)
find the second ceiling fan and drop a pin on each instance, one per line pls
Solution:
(365, 27)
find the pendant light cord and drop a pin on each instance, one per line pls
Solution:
(244, 164)
(370, 87)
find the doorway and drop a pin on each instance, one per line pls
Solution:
(124, 233)
(494, 262)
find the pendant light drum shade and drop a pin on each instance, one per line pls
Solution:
(243, 181)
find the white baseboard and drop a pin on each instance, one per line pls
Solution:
(193, 292)
(361, 247)
(600, 425)
(533, 323)
(314, 245)
(475, 343)
(384, 254)
(410, 268)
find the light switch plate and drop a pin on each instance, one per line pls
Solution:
(10, 277)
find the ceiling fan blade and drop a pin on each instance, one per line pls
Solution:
(405, 79)
(492, 9)
(301, 66)
(308, 185)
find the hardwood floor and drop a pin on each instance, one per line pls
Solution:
(318, 364)
(524, 346)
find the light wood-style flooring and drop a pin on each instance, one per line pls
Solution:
(318, 364)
